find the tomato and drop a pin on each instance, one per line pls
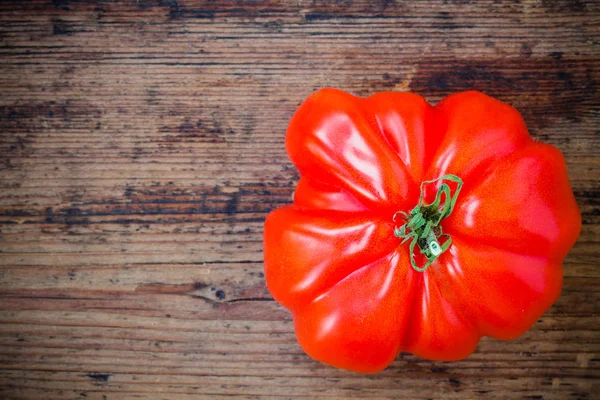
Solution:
(416, 228)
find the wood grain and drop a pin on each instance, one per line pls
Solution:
(142, 145)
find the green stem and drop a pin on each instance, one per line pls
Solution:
(422, 226)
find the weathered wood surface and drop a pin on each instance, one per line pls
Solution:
(142, 147)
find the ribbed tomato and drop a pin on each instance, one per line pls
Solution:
(416, 228)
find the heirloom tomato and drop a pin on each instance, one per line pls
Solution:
(416, 228)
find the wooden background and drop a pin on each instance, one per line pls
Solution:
(142, 145)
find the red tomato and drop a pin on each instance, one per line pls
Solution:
(356, 258)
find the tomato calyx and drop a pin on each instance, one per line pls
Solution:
(422, 227)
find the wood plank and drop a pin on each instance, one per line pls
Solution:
(142, 146)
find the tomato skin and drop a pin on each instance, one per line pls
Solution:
(333, 260)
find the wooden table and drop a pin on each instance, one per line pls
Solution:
(142, 145)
